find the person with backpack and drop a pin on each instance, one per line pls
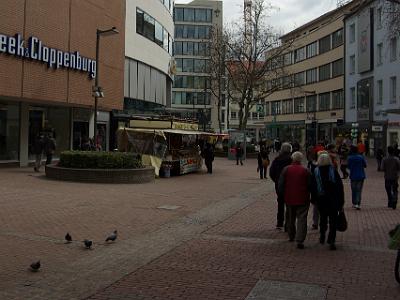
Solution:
(328, 196)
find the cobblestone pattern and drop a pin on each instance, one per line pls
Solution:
(228, 260)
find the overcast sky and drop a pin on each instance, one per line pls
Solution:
(287, 15)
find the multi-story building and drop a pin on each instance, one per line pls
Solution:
(149, 34)
(47, 71)
(194, 24)
(372, 74)
(310, 104)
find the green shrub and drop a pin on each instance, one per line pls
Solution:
(100, 160)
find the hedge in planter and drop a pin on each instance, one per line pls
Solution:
(100, 160)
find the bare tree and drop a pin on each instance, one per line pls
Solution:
(254, 55)
(391, 17)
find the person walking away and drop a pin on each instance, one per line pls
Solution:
(356, 164)
(239, 154)
(361, 148)
(295, 146)
(263, 162)
(208, 157)
(379, 157)
(391, 167)
(294, 186)
(328, 196)
(38, 150)
(343, 155)
(279, 163)
(333, 155)
(49, 145)
(311, 167)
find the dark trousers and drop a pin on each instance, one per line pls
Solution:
(379, 164)
(325, 217)
(49, 158)
(356, 191)
(263, 171)
(297, 222)
(280, 216)
(209, 166)
(343, 168)
(392, 187)
(239, 159)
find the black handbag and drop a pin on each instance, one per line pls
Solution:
(341, 222)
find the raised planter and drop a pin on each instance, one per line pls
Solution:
(140, 175)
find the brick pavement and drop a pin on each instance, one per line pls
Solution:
(36, 213)
(230, 259)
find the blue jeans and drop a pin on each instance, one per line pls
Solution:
(356, 190)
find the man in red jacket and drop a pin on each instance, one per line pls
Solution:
(295, 185)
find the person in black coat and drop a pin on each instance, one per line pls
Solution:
(328, 195)
(208, 155)
(38, 147)
(239, 154)
(280, 162)
(263, 162)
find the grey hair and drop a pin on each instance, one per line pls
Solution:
(297, 156)
(286, 148)
(324, 160)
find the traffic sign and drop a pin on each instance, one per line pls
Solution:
(260, 108)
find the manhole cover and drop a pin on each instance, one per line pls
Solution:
(281, 290)
(169, 207)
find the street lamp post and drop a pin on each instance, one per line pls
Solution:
(97, 91)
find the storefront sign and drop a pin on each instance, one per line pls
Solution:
(185, 126)
(377, 128)
(54, 58)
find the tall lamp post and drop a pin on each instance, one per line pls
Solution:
(97, 90)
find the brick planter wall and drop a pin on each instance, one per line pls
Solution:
(101, 175)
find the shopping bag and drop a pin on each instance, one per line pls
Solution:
(341, 222)
(394, 242)
(265, 163)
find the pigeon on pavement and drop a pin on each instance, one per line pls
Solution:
(35, 266)
(68, 238)
(88, 244)
(112, 237)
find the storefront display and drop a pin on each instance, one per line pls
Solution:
(9, 131)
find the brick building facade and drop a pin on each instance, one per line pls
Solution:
(37, 95)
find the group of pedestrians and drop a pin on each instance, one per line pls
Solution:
(297, 187)
(43, 144)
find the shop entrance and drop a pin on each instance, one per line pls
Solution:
(36, 124)
(81, 134)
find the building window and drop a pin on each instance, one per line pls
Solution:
(222, 116)
(312, 49)
(393, 49)
(325, 72)
(154, 31)
(192, 31)
(379, 18)
(311, 103)
(312, 75)
(254, 116)
(188, 14)
(352, 33)
(324, 101)
(299, 79)
(178, 14)
(299, 105)
(352, 98)
(352, 62)
(287, 59)
(393, 89)
(379, 99)
(275, 108)
(287, 107)
(337, 38)
(233, 114)
(337, 99)
(379, 54)
(337, 68)
(299, 54)
(325, 44)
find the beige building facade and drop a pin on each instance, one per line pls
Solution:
(309, 105)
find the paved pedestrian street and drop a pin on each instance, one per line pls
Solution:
(197, 236)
